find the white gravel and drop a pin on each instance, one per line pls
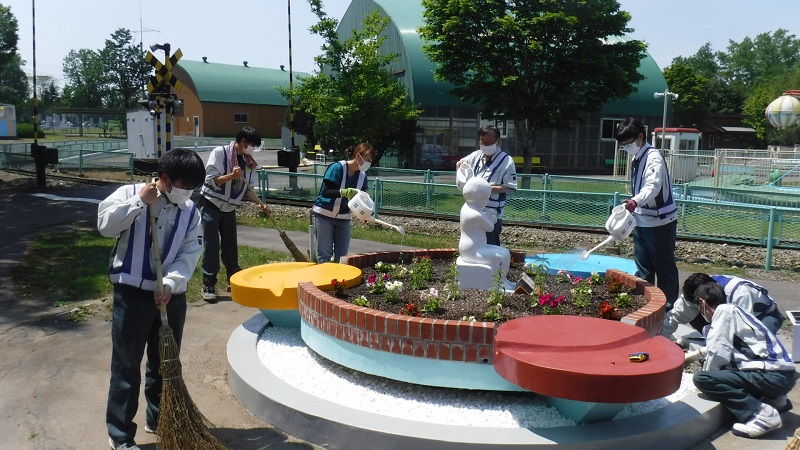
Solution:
(284, 353)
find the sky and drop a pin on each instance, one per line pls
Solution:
(257, 30)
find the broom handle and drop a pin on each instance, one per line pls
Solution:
(260, 203)
(157, 257)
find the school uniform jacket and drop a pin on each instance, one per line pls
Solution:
(499, 171)
(230, 195)
(652, 189)
(336, 208)
(125, 216)
(739, 341)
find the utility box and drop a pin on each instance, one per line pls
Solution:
(8, 122)
(794, 317)
(289, 158)
(143, 134)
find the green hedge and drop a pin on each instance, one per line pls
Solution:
(25, 130)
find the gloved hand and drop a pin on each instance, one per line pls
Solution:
(630, 205)
(348, 193)
(696, 355)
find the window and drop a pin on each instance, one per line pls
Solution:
(240, 118)
(728, 138)
(609, 128)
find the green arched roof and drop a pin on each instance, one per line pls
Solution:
(227, 83)
(407, 15)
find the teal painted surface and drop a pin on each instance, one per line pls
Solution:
(574, 264)
(584, 412)
(286, 318)
(424, 371)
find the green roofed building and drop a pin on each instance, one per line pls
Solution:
(220, 99)
(447, 128)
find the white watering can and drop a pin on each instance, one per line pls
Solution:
(620, 224)
(362, 206)
(463, 173)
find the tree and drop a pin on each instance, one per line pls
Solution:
(353, 97)
(720, 96)
(126, 68)
(13, 82)
(87, 80)
(765, 56)
(9, 36)
(690, 108)
(762, 95)
(541, 63)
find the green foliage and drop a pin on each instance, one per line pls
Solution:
(542, 63)
(493, 313)
(126, 68)
(421, 272)
(582, 293)
(497, 293)
(13, 81)
(25, 130)
(623, 300)
(451, 289)
(354, 97)
(691, 89)
(539, 273)
(762, 95)
(432, 302)
(361, 301)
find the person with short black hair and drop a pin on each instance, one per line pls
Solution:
(746, 367)
(497, 167)
(654, 209)
(738, 291)
(136, 320)
(230, 168)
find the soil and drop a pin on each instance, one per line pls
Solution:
(475, 303)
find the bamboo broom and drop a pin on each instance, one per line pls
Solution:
(290, 245)
(181, 425)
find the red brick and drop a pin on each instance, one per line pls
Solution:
(471, 353)
(385, 343)
(380, 322)
(450, 330)
(361, 319)
(464, 331)
(431, 350)
(391, 325)
(457, 352)
(438, 329)
(402, 326)
(414, 327)
(444, 351)
(485, 353)
(426, 329)
(419, 348)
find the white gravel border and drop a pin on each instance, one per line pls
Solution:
(283, 351)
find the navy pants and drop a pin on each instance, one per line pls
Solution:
(654, 254)
(493, 237)
(134, 330)
(742, 391)
(219, 232)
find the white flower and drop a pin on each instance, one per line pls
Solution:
(394, 286)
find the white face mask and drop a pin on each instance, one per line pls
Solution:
(178, 195)
(249, 149)
(631, 148)
(489, 150)
(364, 166)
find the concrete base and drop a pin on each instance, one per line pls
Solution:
(676, 426)
(479, 276)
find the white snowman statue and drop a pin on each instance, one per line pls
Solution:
(478, 262)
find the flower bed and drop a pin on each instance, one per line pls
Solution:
(442, 339)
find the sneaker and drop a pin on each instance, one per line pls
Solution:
(209, 294)
(763, 421)
(781, 403)
(123, 446)
(149, 429)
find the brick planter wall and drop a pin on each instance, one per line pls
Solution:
(452, 340)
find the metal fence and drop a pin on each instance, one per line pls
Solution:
(754, 217)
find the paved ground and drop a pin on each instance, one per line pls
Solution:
(54, 374)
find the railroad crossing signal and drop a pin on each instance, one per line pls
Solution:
(163, 72)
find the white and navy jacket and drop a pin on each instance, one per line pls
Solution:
(499, 171)
(652, 189)
(739, 341)
(337, 208)
(738, 291)
(125, 216)
(230, 195)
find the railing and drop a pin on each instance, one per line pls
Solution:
(752, 217)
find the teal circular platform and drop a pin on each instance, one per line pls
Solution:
(574, 264)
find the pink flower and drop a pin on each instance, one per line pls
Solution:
(372, 279)
(386, 277)
(576, 280)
